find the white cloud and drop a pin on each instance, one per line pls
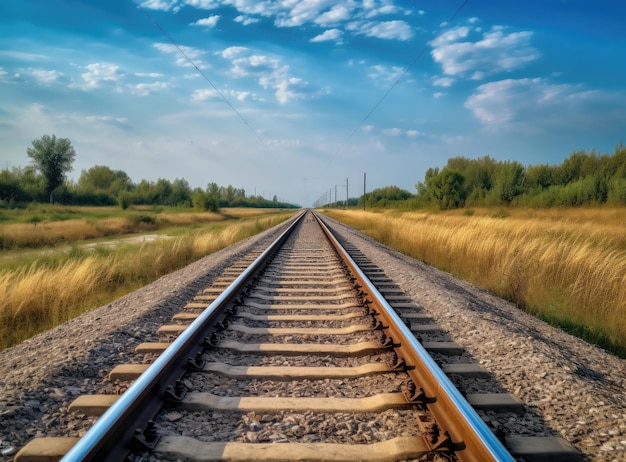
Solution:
(335, 15)
(202, 4)
(212, 94)
(145, 89)
(269, 72)
(162, 5)
(392, 132)
(204, 94)
(491, 53)
(325, 13)
(246, 20)
(45, 77)
(380, 10)
(154, 75)
(287, 88)
(233, 52)
(385, 74)
(333, 35)
(536, 105)
(439, 94)
(107, 119)
(443, 82)
(211, 21)
(101, 73)
(389, 30)
(243, 95)
(297, 13)
(192, 53)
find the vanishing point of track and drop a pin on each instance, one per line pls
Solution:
(294, 355)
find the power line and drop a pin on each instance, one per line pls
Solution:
(190, 61)
(404, 72)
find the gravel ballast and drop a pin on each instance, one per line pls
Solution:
(575, 388)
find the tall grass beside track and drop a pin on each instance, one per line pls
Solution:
(48, 291)
(567, 266)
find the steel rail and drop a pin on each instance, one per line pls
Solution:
(109, 438)
(451, 410)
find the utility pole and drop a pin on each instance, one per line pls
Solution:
(336, 196)
(346, 193)
(364, 193)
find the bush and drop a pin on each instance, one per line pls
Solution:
(136, 219)
(123, 200)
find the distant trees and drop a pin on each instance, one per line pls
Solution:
(582, 178)
(446, 187)
(383, 197)
(53, 158)
(101, 185)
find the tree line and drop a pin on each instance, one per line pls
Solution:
(51, 158)
(584, 178)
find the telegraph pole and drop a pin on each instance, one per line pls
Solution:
(364, 193)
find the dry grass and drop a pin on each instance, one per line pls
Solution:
(48, 292)
(44, 231)
(567, 266)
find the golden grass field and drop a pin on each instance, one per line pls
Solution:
(567, 266)
(45, 287)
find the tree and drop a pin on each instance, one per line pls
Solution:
(53, 158)
(446, 187)
(509, 181)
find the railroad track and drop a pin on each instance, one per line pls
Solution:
(299, 353)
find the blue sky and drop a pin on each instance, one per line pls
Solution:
(303, 85)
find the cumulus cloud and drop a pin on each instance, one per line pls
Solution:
(45, 77)
(330, 35)
(384, 73)
(293, 14)
(145, 89)
(161, 5)
(335, 15)
(372, 18)
(535, 105)
(464, 51)
(154, 75)
(211, 94)
(192, 53)
(107, 119)
(99, 74)
(204, 94)
(443, 82)
(246, 20)
(211, 21)
(202, 4)
(269, 72)
(389, 30)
